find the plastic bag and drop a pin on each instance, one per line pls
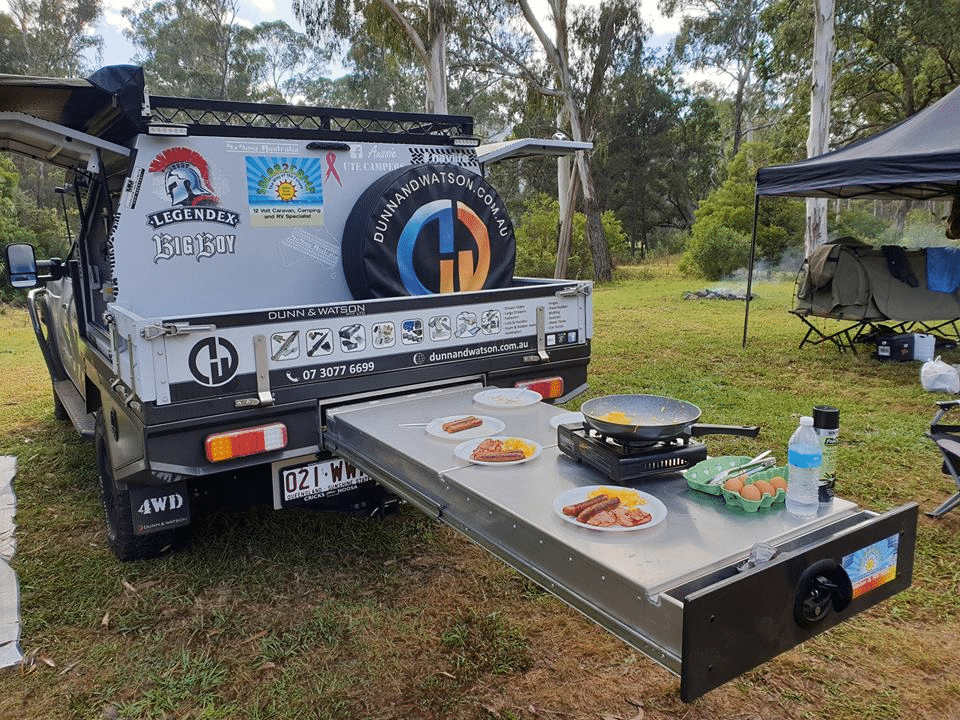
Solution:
(938, 376)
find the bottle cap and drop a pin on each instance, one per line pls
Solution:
(805, 420)
(826, 417)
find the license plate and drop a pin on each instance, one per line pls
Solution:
(317, 479)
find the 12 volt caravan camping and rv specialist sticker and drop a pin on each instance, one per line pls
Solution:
(285, 191)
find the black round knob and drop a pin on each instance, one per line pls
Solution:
(824, 586)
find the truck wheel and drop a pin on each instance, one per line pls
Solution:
(115, 497)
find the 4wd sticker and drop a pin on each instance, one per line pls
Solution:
(157, 508)
(187, 183)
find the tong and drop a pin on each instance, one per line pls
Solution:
(757, 464)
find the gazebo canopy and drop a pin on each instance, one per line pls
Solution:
(918, 158)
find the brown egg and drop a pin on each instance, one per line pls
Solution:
(734, 484)
(750, 492)
(778, 483)
(764, 487)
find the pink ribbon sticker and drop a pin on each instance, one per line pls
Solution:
(332, 169)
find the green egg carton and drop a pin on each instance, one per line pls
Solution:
(700, 474)
(766, 501)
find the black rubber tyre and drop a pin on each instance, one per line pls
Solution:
(426, 229)
(115, 498)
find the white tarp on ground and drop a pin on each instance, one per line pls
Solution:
(9, 590)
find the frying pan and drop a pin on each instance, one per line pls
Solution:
(652, 418)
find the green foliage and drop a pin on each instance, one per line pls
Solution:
(195, 49)
(51, 38)
(857, 221)
(714, 250)
(727, 215)
(656, 153)
(536, 233)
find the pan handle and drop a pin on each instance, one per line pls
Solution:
(698, 429)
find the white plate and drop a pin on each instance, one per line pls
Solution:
(490, 426)
(569, 418)
(504, 398)
(465, 449)
(657, 509)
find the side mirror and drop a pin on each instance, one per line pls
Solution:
(21, 266)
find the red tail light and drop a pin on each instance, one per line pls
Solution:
(247, 441)
(549, 388)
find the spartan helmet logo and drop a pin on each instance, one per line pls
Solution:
(186, 177)
(185, 186)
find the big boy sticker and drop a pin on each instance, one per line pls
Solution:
(428, 229)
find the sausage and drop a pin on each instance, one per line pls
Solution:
(465, 423)
(574, 510)
(608, 504)
(498, 455)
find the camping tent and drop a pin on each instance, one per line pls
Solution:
(918, 159)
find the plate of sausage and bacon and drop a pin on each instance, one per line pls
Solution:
(464, 427)
(497, 451)
(609, 509)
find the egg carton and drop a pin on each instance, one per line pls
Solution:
(699, 476)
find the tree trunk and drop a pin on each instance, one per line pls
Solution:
(557, 56)
(819, 137)
(565, 225)
(437, 71)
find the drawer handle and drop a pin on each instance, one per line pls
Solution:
(823, 585)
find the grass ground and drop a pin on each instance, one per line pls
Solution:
(304, 615)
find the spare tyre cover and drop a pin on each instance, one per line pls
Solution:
(425, 229)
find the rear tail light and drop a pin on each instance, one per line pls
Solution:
(549, 388)
(247, 441)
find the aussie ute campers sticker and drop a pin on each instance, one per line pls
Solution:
(428, 229)
(285, 191)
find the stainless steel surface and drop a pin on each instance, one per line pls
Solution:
(618, 579)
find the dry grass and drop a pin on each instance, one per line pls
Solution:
(304, 615)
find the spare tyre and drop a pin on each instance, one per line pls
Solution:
(426, 229)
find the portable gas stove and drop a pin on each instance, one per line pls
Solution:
(624, 461)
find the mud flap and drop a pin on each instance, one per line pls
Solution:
(155, 508)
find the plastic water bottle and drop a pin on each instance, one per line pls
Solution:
(804, 457)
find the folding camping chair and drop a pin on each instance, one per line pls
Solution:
(947, 438)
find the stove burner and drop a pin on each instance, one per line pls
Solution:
(623, 461)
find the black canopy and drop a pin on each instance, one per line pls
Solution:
(919, 158)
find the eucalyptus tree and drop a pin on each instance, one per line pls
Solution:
(611, 31)
(374, 79)
(196, 48)
(660, 152)
(722, 36)
(289, 61)
(417, 29)
(50, 37)
(892, 60)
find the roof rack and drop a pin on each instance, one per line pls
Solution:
(221, 117)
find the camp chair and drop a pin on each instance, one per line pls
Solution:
(947, 438)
